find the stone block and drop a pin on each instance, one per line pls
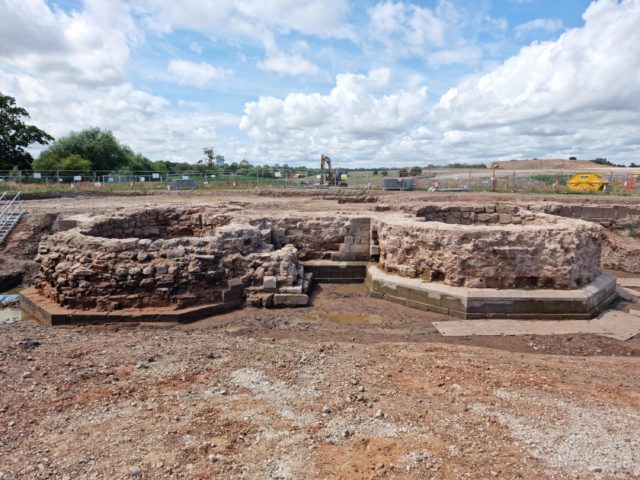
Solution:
(290, 300)
(296, 289)
(235, 292)
(269, 282)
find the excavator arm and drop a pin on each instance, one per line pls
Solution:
(326, 162)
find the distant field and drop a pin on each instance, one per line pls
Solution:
(546, 164)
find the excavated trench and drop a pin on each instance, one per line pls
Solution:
(181, 257)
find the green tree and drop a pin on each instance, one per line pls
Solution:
(159, 166)
(100, 147)
(16, 135)
(602, 161)
(384, 173)
(75, 163)
(375, 171)
(209, 156)
(47, 162)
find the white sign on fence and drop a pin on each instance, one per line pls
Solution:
(110, 179)
(155, 175)
(77, 178)
(185, 177)
(37, 175)
(277, 174)
(142, 179)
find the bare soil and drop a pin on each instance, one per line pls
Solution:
(348, 388)
(546, 164)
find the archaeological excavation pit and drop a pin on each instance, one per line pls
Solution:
(181, 264)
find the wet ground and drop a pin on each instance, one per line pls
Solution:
(348, 388)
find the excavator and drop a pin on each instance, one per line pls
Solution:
(330, 177)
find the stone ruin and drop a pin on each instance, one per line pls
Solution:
(188, 256)
(493, 246)
(181, 257)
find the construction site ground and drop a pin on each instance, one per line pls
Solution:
(350, 387)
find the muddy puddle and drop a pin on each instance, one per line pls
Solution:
(349, 318)
(10, 315)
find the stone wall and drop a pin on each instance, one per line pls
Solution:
(546, 252)
(186, 256)
(612, 216)
(182, 256)
(492, 214)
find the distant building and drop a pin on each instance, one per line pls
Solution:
(219, 160)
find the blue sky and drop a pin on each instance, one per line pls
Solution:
(369, 83)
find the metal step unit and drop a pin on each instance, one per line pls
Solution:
(11, 211)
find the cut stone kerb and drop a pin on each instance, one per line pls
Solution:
(515, 249)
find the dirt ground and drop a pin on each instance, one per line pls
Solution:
(348, 388)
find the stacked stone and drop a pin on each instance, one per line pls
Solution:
(84, 271)
(357, 241)
(313, 237)
(494, 214)
(616, 217)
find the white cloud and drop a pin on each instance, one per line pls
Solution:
(288, 65)
(196, 47)
(544, 24)
(579, 92)
(88, 47)
(247, 19)
(358, 116)
(406, 28)
(138, 119)
(253, 22)
(70, 71)
(442, 35)
(197, 74)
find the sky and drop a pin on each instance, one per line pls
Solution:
(369, 83)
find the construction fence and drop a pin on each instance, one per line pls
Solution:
(434, 179)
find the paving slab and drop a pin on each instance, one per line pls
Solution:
(612, 324)
(630, 282)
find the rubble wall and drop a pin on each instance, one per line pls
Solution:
(180, 256)
(476, 249)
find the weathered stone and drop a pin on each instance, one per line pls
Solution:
(147, 283)
(269, 282)
(549, 252)
(290, 300)
(82, 272)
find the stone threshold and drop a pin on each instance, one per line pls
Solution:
(47, 312)
(487, 303)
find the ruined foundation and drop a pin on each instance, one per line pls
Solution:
(184, 258)
(499, 246)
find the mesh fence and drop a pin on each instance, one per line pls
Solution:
(436, 179)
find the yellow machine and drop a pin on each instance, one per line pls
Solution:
(328, 176)
(587, 182)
